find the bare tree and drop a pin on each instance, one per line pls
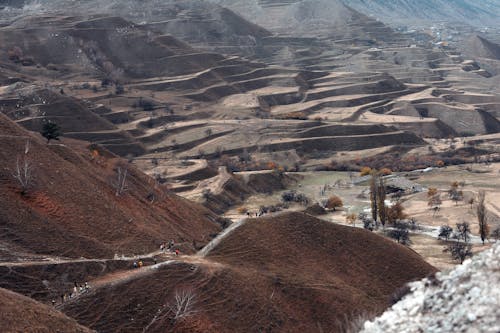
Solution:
(382, 209)
(23, 172)
(400, 232)
(482, 216)
(120, 183)
(183, 304)
(463, 232)
(459, 251)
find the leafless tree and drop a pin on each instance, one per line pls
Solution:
(121, 181)
(23, 172)
(382, 209)
(183, 304)
(459, 250)
(463, 232)
(482, 216)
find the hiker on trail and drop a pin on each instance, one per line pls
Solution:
(75, 290)
(87, 286)
(135, 264)
(53, 302)
(155, 261)
(171, 244)
(162, 247)
(140, 263)
(176, 252)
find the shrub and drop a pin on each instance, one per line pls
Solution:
(292, 196)
(385, 172)
(395, 213)
(145, 104)
(365, 171)
(445, 232)
(400, 233)
(119, 89)
(242, 210)
(334, 202)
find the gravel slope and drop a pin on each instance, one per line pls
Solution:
(465, 299)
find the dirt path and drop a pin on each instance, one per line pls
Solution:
(58, 261)
(214, 242)
(118, 277)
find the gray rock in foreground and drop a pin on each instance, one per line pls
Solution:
(466, 299)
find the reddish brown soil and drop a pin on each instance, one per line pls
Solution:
(22, 314)
(288, 273)
(72, 210)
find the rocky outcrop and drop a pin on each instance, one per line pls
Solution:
(463, 300)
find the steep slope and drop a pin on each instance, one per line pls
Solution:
(287, 273)
(22, 314)
(71, 208)
(479, 13)
(463, 300)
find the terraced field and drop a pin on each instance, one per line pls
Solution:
(305, 89)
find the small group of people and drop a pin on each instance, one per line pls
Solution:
(169, 247)
(77, 290)
(138, 264)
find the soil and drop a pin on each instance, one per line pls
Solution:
(284, 273)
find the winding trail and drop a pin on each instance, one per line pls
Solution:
(123, 276)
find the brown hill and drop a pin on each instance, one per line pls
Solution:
(71, 208)
(22, 314)
(286, 273)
